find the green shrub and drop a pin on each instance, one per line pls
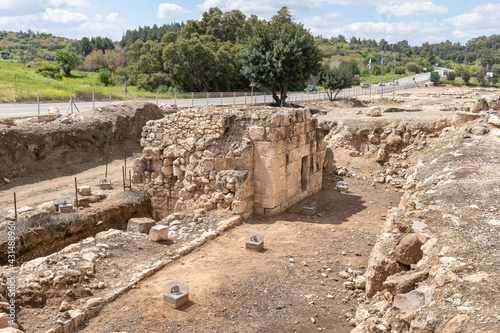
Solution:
(47, 74)
(450, 76)
(104, 76)
(46, 66)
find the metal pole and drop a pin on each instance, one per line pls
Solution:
(156, 98)
(106, 174)
(245, 98)
(383, 80)
(393, 79)
(15, 206)
(234, 98)
(93, 101)
(110, 97)
(125, 158)
(123, 177)
(76, 195)
(221, 98)
(71, 101)
(207, 97)
(251, 96)
(175, 98)
(38, 101)
(130, 178)
(135, 96)
(192, 99)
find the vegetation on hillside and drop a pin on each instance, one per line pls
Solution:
(221, 50)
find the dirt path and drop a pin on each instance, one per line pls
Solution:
(293, 285)
(60, 184)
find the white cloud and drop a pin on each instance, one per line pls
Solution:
(170, 10)
(482, 20)
(324, 22)
(433, 39)
(392, 32)
(19, 7)
(68, 3)
(262, 8)
(412, 9)
(63, 16)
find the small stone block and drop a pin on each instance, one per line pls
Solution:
(309, 207)
(141, 225)
(85, 191)
(175, 294)
(65, 205)
(158, 233)
(254, 242)
(105, 184)
(342, 186)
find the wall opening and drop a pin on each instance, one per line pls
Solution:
(304, 173)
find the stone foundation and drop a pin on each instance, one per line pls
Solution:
(248, 160)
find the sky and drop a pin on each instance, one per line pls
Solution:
(417, 22)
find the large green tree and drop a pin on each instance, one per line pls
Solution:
(67, 60)
(281, 55)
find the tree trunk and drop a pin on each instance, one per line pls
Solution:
(275, 97)
(329, 93)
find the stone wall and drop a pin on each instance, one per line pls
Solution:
(245, 160)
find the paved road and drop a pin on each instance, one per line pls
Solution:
(29, 110)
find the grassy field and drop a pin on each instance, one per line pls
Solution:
(19, 84)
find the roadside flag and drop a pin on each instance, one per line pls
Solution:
(382, 62)
(394, 63)
(370, 64)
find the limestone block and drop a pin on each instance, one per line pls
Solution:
(140, 165)
(77, 315)
(404, 282)
(494, 120)
(140, 225)
(48, 207)
(257, 133)
(84, 190)
(158, 233)
(167, 170)
(374, 111)
(151, 153)
(413, 300)
(456, 324)
(463, 117)
(238, 206)
(408, 251)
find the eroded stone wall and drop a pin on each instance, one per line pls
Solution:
(257, 159)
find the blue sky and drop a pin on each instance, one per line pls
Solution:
(416, 21)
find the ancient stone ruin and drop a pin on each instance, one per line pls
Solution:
(255, 161)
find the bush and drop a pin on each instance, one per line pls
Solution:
(450, 76)
(46, 66)
(435, 78)
(413, 67)
(47, 74)
(481, 79)
(104, 76)
(466, 77)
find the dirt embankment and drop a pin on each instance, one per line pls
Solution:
(31, 146)
(435, 266)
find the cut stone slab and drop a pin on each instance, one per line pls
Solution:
(141, 225)
(413, 300)
(158, 233)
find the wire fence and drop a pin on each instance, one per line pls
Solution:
(83, 100)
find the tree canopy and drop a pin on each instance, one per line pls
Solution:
(281, 55)
(67, 60)
(334, 80)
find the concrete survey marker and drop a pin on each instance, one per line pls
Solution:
(105, 184)
(65, 205)
(254, 242)
(342, 186)
(309, 207)
(176, 294)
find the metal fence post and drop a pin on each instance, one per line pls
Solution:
(156, 98)
(93, 101)
(207, 97)
(221, 98)
(175, 98)
(245, 98)
(234, 98)
(110, 97)
(192, 99)
(38, 101)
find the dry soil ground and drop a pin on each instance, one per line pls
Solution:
(293, 285)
